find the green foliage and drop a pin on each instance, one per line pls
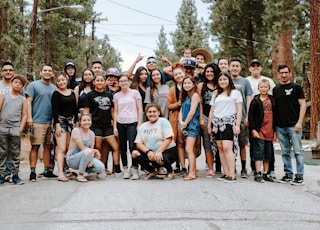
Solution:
(189, 32)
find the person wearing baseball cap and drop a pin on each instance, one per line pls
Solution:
(112, 76)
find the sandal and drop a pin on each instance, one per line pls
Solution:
(189, 177)
(169, 176)
(63, 179)
(81, 179)
(150, 175)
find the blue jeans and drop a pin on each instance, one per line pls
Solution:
(81, 160)
(289, 137)
(126, 132)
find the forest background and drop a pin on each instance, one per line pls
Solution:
(275, 32)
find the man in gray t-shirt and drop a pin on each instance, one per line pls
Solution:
(39, 120)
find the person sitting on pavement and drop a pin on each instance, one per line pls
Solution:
(155, 145)
(81, 155)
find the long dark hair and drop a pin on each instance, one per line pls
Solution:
(185, 94)
(136, 78)
(82, 84)
(216, 72)
(153, 86)
(155, 105)
(231, 85)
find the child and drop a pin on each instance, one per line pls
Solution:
(225, 116)
(186, 54)
(13, 117)
(81, 154)
(99, 103)
(262, 129)
(189, 123)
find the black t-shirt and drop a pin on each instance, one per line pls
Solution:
(287, 107)
(100, 105)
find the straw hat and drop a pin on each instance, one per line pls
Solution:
(207, 55)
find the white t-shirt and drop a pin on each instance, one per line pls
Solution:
(255, 81)
(127, 106)
(152, 135)
(224, 105)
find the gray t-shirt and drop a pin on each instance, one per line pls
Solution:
(41, 101)
(10, 115)
(4, 88)
(160, 97)
(244, 86)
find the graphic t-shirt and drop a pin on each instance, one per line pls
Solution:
(100, 105)
(152, 135)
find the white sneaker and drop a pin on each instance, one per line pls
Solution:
(118, 175)
(135, 174)
(126, 173)
(101, 176)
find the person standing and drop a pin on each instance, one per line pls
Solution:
(244, 87)
(127, 119)
(13, 117)
(224, 122)
(7, 73)
(71, 70)
(39, 95)
(290, 109)
(65, 115)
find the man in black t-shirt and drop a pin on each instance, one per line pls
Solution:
(290, 109)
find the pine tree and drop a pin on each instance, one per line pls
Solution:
(189, 32)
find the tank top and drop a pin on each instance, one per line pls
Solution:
(10, 115)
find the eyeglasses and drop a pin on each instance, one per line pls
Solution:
(5, 70)
(151, 62)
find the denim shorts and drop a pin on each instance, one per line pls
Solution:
(262, 150)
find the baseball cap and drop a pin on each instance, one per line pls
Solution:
(70, 63)
(190, 63)
(113, 72)
(255, 61)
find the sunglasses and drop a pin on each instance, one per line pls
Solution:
(151, 62)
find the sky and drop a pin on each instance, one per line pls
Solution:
(133, 26)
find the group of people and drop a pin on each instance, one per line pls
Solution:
(209, 105)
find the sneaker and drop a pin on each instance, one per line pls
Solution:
(229, 179)
(126, 173)
(222, 178)
(177, 170)
(17, 180)
(101, 176)
(273, 175)
(258, 178)
(286, 179)
(244, 173)
(218, 172)
(49, 174)
(8, 179)
(183, 172)
(67, 172)
(135, 174)
(297, 181)
(33, 177)
(267, 177)
(118, 175)
(210, 174)
(2, 181)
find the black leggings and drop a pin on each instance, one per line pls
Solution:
(169, 156)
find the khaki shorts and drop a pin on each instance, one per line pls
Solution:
(42, 134)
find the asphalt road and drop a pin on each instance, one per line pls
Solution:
(204, 203)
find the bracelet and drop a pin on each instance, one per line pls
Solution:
(149, 150)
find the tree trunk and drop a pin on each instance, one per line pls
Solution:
(249, 38)
(4, 32)
(33, 35)
(315, 68)
(47, 36)
(282, 53)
